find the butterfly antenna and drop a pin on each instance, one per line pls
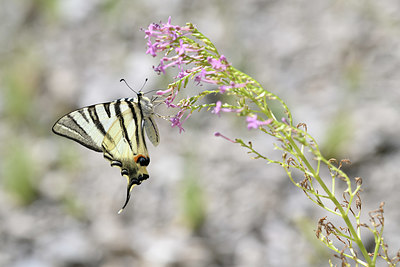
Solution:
(123, 80)
(145, 81)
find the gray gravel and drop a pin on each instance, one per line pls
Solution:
(336, 63)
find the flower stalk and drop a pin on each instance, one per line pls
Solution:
(195, 58)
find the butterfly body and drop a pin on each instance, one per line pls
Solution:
(117, 130)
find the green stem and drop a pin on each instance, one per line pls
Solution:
(378, 239)
(334, 200)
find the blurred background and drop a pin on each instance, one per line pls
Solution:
(335, 63)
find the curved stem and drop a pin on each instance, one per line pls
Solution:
(334, 200)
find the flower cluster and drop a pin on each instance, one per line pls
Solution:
(193, 55)
(164, 35)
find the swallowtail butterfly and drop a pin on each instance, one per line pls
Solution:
(117, 130)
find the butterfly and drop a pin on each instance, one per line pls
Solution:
(117, 130)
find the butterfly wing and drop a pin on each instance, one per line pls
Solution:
(88, 125)
(151, 128)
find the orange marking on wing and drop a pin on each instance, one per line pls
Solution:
(136, 159)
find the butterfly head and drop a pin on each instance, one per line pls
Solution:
(145, 104)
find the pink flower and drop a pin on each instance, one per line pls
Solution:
(152, 31)
(218, 108)
(218, 134)
(160, 68)
(168, 101)
(253, 123)
(152, 48)
(177, 120)
(182, 74)
(170, 30)
(223, 88)
(160, 92)
(173, 61)
(203, 77)
(217, 64)
(163, 36)
(168, 24)
(181, 48)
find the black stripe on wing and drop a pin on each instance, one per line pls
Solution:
(95, 118)
(135, 119)
(117, 109)
(83, 114)
(68, 123)
(107, 109)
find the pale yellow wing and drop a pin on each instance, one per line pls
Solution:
(124, 146)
